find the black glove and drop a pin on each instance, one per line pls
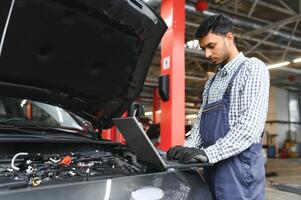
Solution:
(176, 152)
(193, 155)
(186, 154)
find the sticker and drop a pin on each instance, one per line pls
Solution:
(166, 63)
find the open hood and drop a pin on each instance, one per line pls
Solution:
(90, 57)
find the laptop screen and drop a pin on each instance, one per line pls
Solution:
(138, 141)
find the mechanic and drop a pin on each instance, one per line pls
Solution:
(231, 120)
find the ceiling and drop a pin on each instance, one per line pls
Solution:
(269, 30)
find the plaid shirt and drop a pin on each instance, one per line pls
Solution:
(248, 107)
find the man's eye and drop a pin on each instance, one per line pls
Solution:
(211, 46)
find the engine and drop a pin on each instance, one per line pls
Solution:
(27, 169)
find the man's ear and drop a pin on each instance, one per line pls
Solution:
(230, 36)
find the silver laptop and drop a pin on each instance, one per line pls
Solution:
(141, 145)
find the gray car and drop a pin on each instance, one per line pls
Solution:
(67, 68)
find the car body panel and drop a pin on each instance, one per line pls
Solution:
(175, 185)
(89, 57)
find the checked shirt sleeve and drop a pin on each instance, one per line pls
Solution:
(251, 106)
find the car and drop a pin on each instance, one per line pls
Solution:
(67, 69)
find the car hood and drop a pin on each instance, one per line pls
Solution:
(90, 57)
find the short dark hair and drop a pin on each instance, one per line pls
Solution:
(217, 24)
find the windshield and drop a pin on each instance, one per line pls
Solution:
(22, 112)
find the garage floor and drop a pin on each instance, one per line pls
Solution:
(284, 175)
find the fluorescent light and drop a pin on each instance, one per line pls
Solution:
(278, 65)
(297, 60)
(189, 104)
(193, 44)
(149, 113)
(191, 116)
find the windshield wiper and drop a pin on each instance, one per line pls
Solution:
(77, 132)
(28, 124)
(43, 131)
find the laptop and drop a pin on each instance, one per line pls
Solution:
(142, 146)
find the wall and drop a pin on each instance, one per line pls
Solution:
(279, 111)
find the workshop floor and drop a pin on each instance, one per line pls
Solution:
(285, 175)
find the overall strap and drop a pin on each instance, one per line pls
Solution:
(230, 84)
(207, 92)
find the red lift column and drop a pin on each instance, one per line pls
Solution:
(173, 64)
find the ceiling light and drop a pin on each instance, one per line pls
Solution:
(148, 113)
(191, 116)
(278, 65)
(193, 44)
(151, 113)
(189, 104)
(297, 60)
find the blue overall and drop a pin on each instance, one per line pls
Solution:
(238, 177)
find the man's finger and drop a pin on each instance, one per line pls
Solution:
(200, 158)
(173, 151)
(184, 155)
(180, 152)
(170, 151)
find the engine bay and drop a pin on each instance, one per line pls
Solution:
(57, 163)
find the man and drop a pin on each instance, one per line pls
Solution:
(231, 119)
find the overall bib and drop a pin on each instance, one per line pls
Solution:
(238, 177)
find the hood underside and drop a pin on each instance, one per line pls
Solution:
(90, 57)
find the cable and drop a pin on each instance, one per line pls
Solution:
(54, 161)
(14, 158)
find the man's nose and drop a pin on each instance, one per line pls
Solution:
(208, 53)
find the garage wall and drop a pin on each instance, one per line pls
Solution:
(279, 111)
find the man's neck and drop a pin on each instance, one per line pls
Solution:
(233, 54)
(231, 57)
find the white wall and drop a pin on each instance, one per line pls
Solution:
(278, 111)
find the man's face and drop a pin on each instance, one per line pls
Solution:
(216, 48)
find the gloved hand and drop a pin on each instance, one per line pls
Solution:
(176, 152)
(186, 154)
(193, 155)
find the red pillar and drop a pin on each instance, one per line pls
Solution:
(120, 138)
(106, 134)
(173, 64)
(113, 133)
